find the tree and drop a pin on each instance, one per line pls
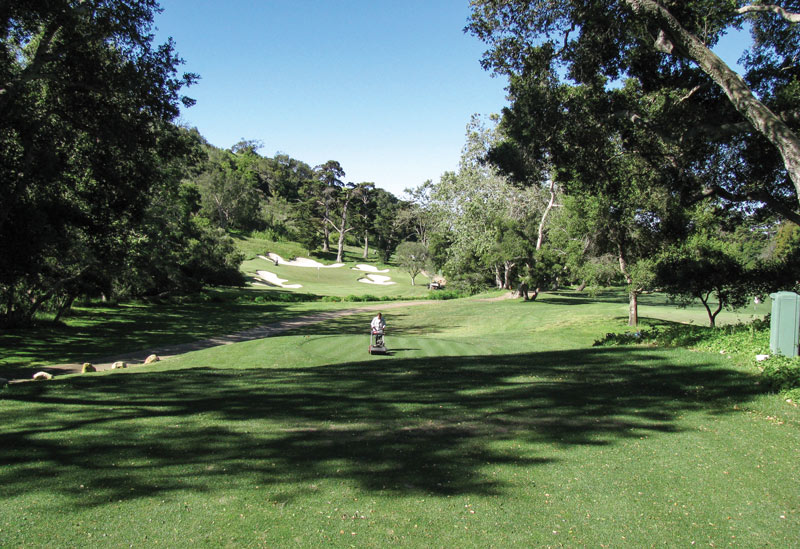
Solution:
(86, 104)
(365, 200)
(665, 46)
(700, 269)
(386, 228)
(416, 213)
(329, 175)
(412, 258)
(229, 189)
(347, 193)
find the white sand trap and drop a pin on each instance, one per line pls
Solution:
(377, 279)
(274, 280)
(299, 262)
(369, 268)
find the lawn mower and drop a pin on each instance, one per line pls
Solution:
(377, 346)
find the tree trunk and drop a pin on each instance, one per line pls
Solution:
(498, 281)
(581, 286)
(65, 307)
(326, 234)
(509, 268)
(342, 228)
(366, 246)
(540, 238)
(340, 249)
(712, 315)
(633, 307)
(633, 292)
(754, 111)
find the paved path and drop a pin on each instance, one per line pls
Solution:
(259, 332)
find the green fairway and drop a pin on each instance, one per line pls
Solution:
(490, 424)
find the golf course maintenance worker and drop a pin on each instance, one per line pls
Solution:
(378, 323)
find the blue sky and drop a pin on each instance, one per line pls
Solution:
(386, 87)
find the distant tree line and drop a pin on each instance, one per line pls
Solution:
(287, 199)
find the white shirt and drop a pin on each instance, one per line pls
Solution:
(378, 324)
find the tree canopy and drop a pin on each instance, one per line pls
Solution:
(86, 102)
(697, 103)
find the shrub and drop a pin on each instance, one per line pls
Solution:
(445, 294)
(782, 374)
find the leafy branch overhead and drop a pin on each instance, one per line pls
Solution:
(666, 48)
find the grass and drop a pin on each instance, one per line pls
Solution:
(340, 281)
(96, 330)
(491, 424)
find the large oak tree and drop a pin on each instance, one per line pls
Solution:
(666, 46)
(86, 101)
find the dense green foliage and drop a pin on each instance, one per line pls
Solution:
(699, 113)
(91, 162)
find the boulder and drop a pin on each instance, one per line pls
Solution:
(88, 367)
(42, 375)
(3, 382)
(119, 365)
(151, 359)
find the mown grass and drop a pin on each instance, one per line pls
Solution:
(96, 330)
(491, 424)
(338, 281)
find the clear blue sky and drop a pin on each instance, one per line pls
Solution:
(386, 87)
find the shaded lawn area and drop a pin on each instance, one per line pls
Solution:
(615, 446)
(96, 331)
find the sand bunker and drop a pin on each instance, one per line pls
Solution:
(273, 280)
(377, 279)
(369, 268)
(299, 262)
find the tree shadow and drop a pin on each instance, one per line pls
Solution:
(97, 334)
(422, 425)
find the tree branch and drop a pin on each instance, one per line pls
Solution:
(740, 95)
(789, 16)
(752, 196)
(34, 69)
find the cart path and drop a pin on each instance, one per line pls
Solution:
(258, 332)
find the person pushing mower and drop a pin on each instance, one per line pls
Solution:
(378, 326)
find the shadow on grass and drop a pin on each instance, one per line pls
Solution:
(428, 425)
(100, 331)
(611, 295)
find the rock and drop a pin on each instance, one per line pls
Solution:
(151, 359)
(119, 365)
(88, 367)
(3, 382)
(42, 375)
(761, 358)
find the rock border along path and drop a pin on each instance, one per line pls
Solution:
(259, 332)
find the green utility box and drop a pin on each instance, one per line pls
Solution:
(784, 327)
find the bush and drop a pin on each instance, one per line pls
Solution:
(445, 294)
(782, 374)
(468, 283)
